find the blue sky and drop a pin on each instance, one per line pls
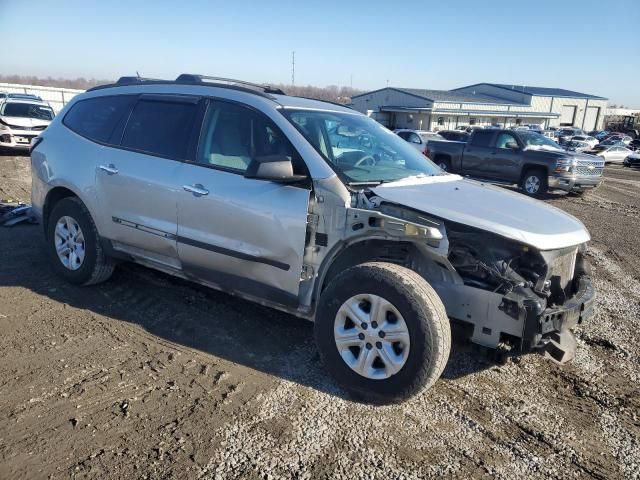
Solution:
(578, 45)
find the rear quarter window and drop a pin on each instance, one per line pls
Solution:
(482, 138)
(98, 118)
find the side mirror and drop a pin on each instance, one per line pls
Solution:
(512, 146)
(276, 168)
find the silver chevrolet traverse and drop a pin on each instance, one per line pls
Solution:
(313, 209)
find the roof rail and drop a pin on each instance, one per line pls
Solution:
(194, 78)
(130, 79)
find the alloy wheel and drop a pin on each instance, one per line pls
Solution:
(69, 243)
(371, 336)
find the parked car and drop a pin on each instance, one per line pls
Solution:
(634, 144)
(611, 142)
(534, 162)
(567, 133)
(626, 139)
(21, 120)
(25, 96)
(611, 153)
(419, 139)
(454, 135)
(236, 186)
(632, 160)
(599, 134)
(589, 140)
(576, 146)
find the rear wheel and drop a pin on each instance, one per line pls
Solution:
(534, 182)
(382, 332)
(74, 246)
(444, 164)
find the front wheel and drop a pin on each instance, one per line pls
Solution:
(534, 183)
(382, 332)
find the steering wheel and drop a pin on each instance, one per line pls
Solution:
(367, 161)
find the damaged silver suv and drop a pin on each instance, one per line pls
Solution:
(313, 209)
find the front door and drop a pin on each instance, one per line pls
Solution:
(242, 234)
(507, 158)
(136, 183)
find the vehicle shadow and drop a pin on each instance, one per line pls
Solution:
(197, 317)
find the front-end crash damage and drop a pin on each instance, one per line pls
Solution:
(545, 292)
(508, 293)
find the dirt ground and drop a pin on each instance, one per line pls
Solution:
(147, 376)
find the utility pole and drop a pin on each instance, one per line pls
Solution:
(351, 81)
(293, 68)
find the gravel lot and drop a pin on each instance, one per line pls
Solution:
(147, 376)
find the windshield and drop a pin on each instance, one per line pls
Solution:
(27, 110)
(358, 148)
(535, 140)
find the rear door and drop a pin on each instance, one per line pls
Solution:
(242, 234)
(136, 183)
(478, 153)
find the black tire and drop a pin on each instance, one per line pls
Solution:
(543, 182)
(444, 164)
(425, 317)
(96, 267)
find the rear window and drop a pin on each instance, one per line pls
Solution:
(98, 118)
(161, 128)
(482, 138)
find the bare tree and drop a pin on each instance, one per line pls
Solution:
(331, 93)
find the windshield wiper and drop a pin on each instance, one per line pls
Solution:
(372, 182)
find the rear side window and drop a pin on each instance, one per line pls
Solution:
(99, 118)
(482, 138)
(161, 128)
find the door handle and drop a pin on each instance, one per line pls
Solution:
(197, 189)
(110, 169)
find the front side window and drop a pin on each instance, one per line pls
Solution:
(506, 141)
(98, 118)
(27, 110)
(234, 135)
(161, 128)
(358, 148)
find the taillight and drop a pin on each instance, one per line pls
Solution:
(426, 151)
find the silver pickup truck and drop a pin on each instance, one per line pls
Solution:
(532, 161)
(313, 209)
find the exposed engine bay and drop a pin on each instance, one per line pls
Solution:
(509, 293)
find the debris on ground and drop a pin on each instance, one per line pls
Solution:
(12, 213)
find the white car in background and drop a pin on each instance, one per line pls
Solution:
(21, 120)
(611, 153)
(592, 141)
(419, 139)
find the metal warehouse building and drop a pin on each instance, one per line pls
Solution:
(482, 104)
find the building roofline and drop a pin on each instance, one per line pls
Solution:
(395, 89)
(582, 95)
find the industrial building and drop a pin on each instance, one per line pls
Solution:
(482, 104)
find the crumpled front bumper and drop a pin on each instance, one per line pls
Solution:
(556, 339)
(572, 184)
